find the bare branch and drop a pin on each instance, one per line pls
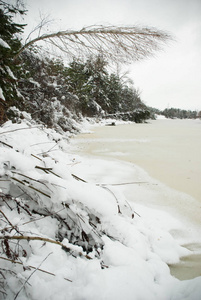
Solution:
(9, 222)
(31, 267)
(36, 238)
(124, 44)
(31, 275)
(44, 21)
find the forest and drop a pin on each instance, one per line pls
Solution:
(60, 95)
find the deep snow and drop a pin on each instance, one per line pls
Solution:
(131, 261)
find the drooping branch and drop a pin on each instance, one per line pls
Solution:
(46, 240)
(124, 44)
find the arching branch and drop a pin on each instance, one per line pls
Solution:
(124, 44)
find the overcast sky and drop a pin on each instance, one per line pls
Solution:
(170, 79)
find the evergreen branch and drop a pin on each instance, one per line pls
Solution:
(116, 43)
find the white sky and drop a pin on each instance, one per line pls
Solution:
(173, 77)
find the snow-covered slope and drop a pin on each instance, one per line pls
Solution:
(65, 238)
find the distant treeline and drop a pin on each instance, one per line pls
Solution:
(175, 113)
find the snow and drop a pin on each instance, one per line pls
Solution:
(4, 44)
(1, 94)
(160, 117)
(37, 84)
(10, 73)
(132, 255)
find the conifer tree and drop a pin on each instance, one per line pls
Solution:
(9, 46)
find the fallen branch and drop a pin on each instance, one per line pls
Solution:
(35, 127)
(31, 267)
(78, 178)
(36, 157)
(106, 188)
(124, 183)
(30, 178)
(31, 187)
(45, 216)
(31, 275)
(14, 227)
(36, 238)
(5, 144)
(47, 170)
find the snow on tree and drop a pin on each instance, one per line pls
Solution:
(9, 46)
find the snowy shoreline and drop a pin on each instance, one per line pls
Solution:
(132, 261)
(167, 149)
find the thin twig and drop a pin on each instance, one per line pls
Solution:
(41, 270)
(133, 211)
(30, 178)
(31, 187)
(5, 144)
(47, 170)
(43, 169)
(78, 178)
(123, 183)
(106, 188)
(31, 275)
(35, 127)
(38, 219)
(36, 157)
(10, 222)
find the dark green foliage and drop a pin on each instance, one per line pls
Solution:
(9, 46)
(43, 84)
(173, 113)
(88, 81)
(84, 88)
(114, 91)
(154, 112)
(179, 113)
(101, 93)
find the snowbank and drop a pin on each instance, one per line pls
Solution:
(160, 117)
(71, 234)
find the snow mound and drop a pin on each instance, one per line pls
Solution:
(160, 117)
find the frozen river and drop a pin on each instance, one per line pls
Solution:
(169, 151)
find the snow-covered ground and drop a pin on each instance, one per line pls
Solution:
(71, 230)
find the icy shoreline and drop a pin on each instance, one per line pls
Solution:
(178, 204)
(167, 149)
(132, 263)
